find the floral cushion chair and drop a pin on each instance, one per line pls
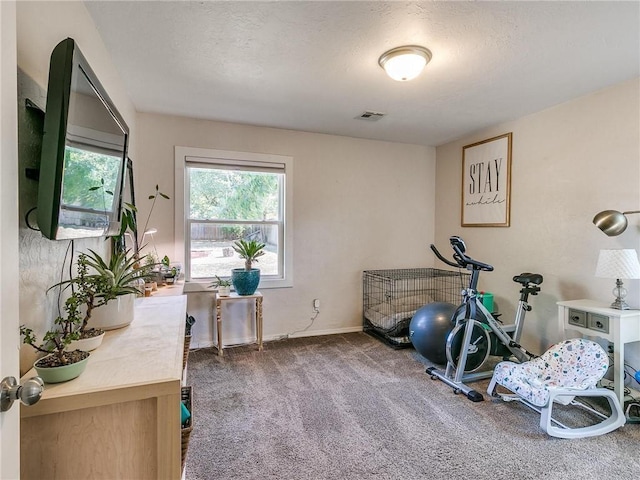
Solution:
(568, 369)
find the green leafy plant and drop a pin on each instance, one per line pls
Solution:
(115, 278)
(220, 282)
(166, 269)
(129, 222)
(69, 327)
(97, 282)
(154, 197)
(147, 264)
(249, 250)
(65, 330)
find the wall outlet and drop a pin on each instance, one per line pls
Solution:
(316, 303)
(610, 348)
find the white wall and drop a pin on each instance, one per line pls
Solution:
(358, 205)
(569, 163)
(40, 26)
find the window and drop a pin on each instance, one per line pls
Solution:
(227, 196)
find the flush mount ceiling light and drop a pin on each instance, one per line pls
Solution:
(404, 63)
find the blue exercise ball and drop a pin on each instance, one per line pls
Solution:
(429, 328)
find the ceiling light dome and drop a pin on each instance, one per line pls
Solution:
(405, 63)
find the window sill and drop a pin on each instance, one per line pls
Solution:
(202, 286)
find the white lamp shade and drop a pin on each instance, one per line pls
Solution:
(405, 63)
(621, 264)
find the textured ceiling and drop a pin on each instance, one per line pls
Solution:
(312, 66)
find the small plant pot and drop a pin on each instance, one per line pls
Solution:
(157, 277)
(62, 373)
(224, 290)
(86, 344)
(245, 282)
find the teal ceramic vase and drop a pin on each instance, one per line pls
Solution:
(245, 282)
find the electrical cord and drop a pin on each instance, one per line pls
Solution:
(26, 219)
(632, 410)
(313, 319)
(629, 371)
(70, 247)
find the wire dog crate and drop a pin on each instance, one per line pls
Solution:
(391, 297)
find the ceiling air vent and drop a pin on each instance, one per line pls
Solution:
(370, 116)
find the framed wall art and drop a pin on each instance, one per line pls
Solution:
(486, 182)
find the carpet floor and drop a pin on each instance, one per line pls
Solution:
(349, 407)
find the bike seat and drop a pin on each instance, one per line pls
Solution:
(527, 278)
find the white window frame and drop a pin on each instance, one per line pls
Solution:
(184, 155)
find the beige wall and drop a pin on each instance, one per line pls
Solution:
(358, 204)
(364, 204)
(569, 162)
(40, 26)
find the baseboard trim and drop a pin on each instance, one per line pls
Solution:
(195, 344)
(317, 333)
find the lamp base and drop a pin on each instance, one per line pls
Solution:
(620, 304)
(620, 292)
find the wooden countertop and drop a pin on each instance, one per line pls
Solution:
(169, 290)
(146, 353)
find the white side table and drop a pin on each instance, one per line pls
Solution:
(257, 297)
(596, 319)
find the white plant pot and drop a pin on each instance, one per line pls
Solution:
(85, 344)
(224, 291)
(117, 313)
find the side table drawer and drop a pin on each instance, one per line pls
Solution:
(599, 323)
(592, 321)
(577, 318)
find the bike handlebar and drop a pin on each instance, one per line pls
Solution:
(462, 260)
(448, 262)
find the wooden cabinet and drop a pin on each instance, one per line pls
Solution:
(121, 417)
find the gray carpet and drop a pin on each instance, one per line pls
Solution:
(349, 407)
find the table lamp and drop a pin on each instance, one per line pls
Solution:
(618, 264)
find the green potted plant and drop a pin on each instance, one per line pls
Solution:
(86, 292)
(123, 282)
(169, 272)
(60, 363)
(85, 289)
(245, 280)
(147, 267)
(113, 286)
(223, 286)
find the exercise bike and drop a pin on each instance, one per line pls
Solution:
(477, 333)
